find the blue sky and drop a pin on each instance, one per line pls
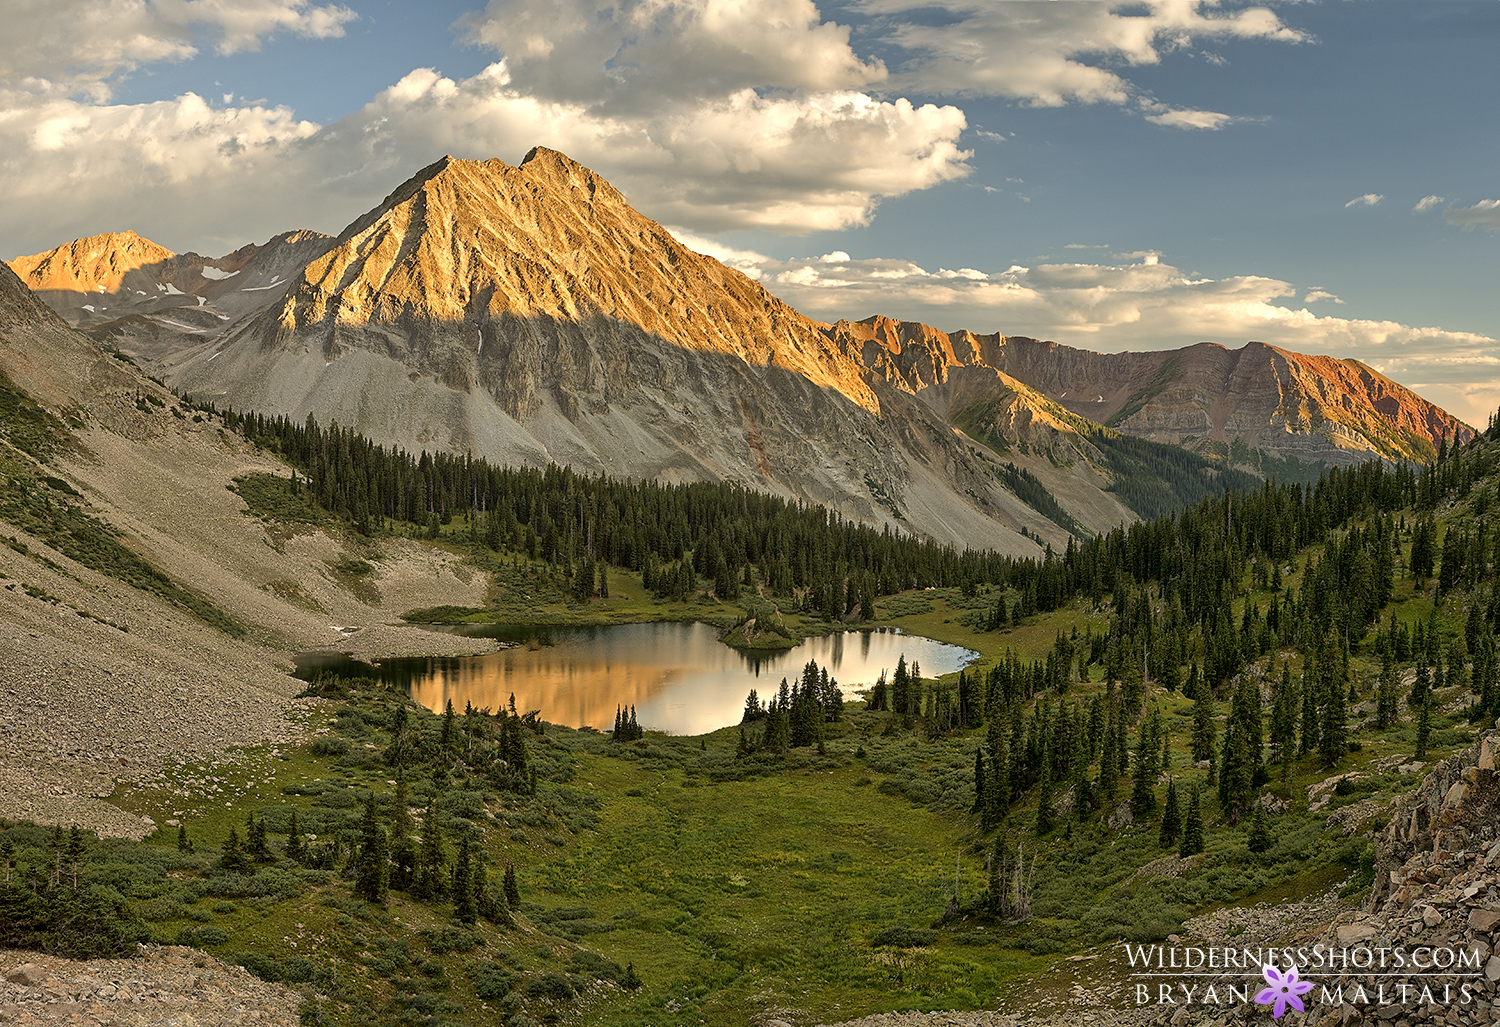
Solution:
(1116, 176)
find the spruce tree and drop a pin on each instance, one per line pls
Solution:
(1333, 740)
(259, 849)
(73, 853)
(296, 850)
(1424, 725)
(183, 843)
(430, 879)
(1171, 818)
(1192, 827)
(464, 907)
(403, 849)
(232, 858)
(512, 890)
(1259, 836)
(371, 868)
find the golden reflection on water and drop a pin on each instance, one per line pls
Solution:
(679, 677)
(567, 689)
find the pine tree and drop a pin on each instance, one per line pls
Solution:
(296, 850)
(464, 910)
(512, 890)
(232, 858)
(1171, 818)
(403, 849)
(1259, 837)
(371, 868)
(183, 842)
(431, 873)
(1192, 828)
(1424, 725)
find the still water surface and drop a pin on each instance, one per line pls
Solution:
(679, 677)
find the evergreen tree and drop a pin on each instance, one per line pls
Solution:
(403, 848)
(371, 868)
(1205, 731)
(73, 854)
(448, 736)
(259, 849)
(465, 910)
(1424, 725)
(1143, 797)
(511, 888)
(183, 842)
(1192, 827)
(1171, 818)
(432, 865)
(296, 849)
(1259, 837)
(232, 857)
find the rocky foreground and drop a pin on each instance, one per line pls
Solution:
(167, 986)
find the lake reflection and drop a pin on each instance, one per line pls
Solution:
(679, 677)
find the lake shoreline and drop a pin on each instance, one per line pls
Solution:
(679, 675)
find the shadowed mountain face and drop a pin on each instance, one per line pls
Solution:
(530, 315)
(1204, 397)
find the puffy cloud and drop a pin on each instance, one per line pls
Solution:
(1427, 203)
(1146, 304)
(791, 164)
(172, 169)
(1367, 200)
(1484, 214)
(1038, 53)
(1319, 295)
(635, 54)
(72, 47)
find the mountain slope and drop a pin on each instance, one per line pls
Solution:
(529, 314)
(121, 540)
(1313, 408)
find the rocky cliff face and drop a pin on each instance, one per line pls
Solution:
(1285, 404)
(529, 314)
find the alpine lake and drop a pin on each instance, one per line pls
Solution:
(679, 677)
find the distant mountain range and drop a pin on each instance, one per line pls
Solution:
(530, 314)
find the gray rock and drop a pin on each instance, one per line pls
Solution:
(27, 974)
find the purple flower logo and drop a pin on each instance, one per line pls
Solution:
(1285, 990)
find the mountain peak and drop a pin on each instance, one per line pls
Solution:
(97, 263)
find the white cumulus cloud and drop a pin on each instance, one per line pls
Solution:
(1052, 54)
(1427, 203)
(79, 47)
(1367, 200)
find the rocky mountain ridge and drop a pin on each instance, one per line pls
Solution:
(1314, 408)
(529, 314)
